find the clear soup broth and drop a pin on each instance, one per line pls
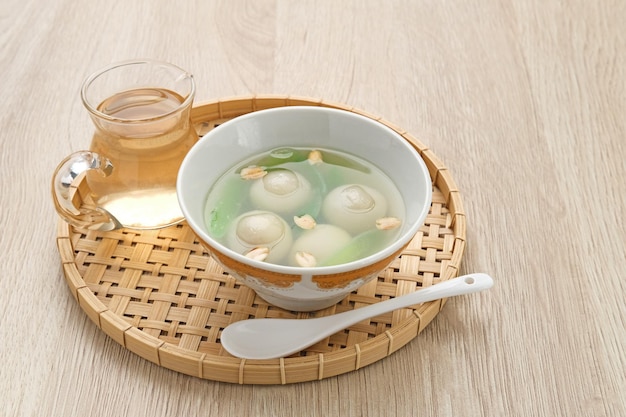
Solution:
(305, 207)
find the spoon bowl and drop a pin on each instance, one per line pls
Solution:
(276, 338)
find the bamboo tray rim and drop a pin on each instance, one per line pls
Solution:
(312, 366)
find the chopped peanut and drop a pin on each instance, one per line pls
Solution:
(387, 223)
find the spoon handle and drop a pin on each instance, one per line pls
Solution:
(268, 338)
(464, 284)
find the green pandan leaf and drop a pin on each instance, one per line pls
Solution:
(338, 170)
(333, 158)
(360, 246)
(223, 204)
(282, 156)
(318, 186)
(279, 157)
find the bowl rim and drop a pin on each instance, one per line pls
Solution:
(214, 245)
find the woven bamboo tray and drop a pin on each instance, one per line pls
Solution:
(160, 295)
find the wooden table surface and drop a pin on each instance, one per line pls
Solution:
(524, 101)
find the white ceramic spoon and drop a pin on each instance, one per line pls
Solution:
(276, 338)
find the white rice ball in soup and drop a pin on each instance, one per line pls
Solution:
(316, 245)
(260, 235)
(282, 191)
(354, 207)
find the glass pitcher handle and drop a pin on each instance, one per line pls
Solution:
(73, 202)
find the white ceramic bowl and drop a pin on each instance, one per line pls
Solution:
(300, 288)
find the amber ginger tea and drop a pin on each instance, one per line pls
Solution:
(146, 139)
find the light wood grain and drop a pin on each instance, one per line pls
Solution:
(524, 101)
